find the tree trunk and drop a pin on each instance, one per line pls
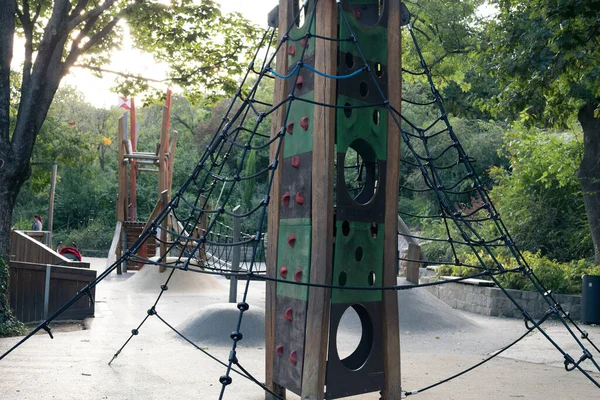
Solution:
(9, 189)
(589, 171)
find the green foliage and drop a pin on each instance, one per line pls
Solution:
(9, 325)
(205, 49)
(545, 56)
(448, 32)
(559, 277)
(539, 197)
(91, 240)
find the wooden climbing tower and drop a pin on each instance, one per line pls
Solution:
(132, 162)
(322, 228)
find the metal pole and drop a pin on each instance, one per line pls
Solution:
(47, 291)
(235, 258)
(51, 205)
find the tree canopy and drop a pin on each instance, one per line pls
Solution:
(546, 59)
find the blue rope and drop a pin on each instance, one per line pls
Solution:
(353, 74)
(293, 71)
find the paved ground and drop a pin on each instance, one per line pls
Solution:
(436, 342)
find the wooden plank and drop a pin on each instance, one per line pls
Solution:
(391, 331)
(315, 357)
(122, 174)
(277, 123)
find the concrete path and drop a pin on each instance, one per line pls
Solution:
(436, 342)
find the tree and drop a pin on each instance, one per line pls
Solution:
(546, 58)
(204, 47)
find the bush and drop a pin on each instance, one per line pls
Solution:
(559, 277)
(90, 240)
(9, 324)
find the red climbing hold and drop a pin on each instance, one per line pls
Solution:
(290, 128)
(279, 350)
(298, 276)
(291, 239)
(286, 198)
(300, 198)
(283, 272)
(293, 357)
(296, 162)
(288, 314)
(299, 82)
(292, 50)
(304, 123)
(305, 43)
(356, 13)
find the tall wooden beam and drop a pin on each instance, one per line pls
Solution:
(122, 175)
(133, 170)
(315, 357)
(277, 123)
(391, 334)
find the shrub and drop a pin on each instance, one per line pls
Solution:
(559, 277)
(9, 324)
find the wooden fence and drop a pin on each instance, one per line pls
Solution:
(39, 290)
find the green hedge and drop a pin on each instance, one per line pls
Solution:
(560, 277)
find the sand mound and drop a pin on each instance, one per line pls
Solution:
(149, 279)
(421, 311)
(212, 325)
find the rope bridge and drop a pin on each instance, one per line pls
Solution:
(236, 164)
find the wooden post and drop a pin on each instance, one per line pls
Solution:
(122, 175)
(133, 170)
(51, 205)
(391, 330)
(163, 167)
(274, 204)
(317, 315)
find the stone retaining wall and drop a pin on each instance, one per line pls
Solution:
(492, 301)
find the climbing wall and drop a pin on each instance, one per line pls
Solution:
(361, 176)
(361, 138)
(294, 244)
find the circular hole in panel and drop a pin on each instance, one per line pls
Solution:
(358, 253)
(345, 228)
(378, 69)
(363, 89)
(349, 60)
(376, 117)
(354, 337)
(371, 278)
(369, 14)
(348, 110)
(342, 279)
(374, 229)
(361, 171)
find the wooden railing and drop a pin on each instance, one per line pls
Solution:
(38, 290)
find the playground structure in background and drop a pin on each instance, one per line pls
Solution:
(131, 162)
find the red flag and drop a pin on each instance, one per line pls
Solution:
(124, 103)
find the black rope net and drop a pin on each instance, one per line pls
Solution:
(197, 225)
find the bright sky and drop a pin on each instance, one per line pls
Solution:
(97, 91)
